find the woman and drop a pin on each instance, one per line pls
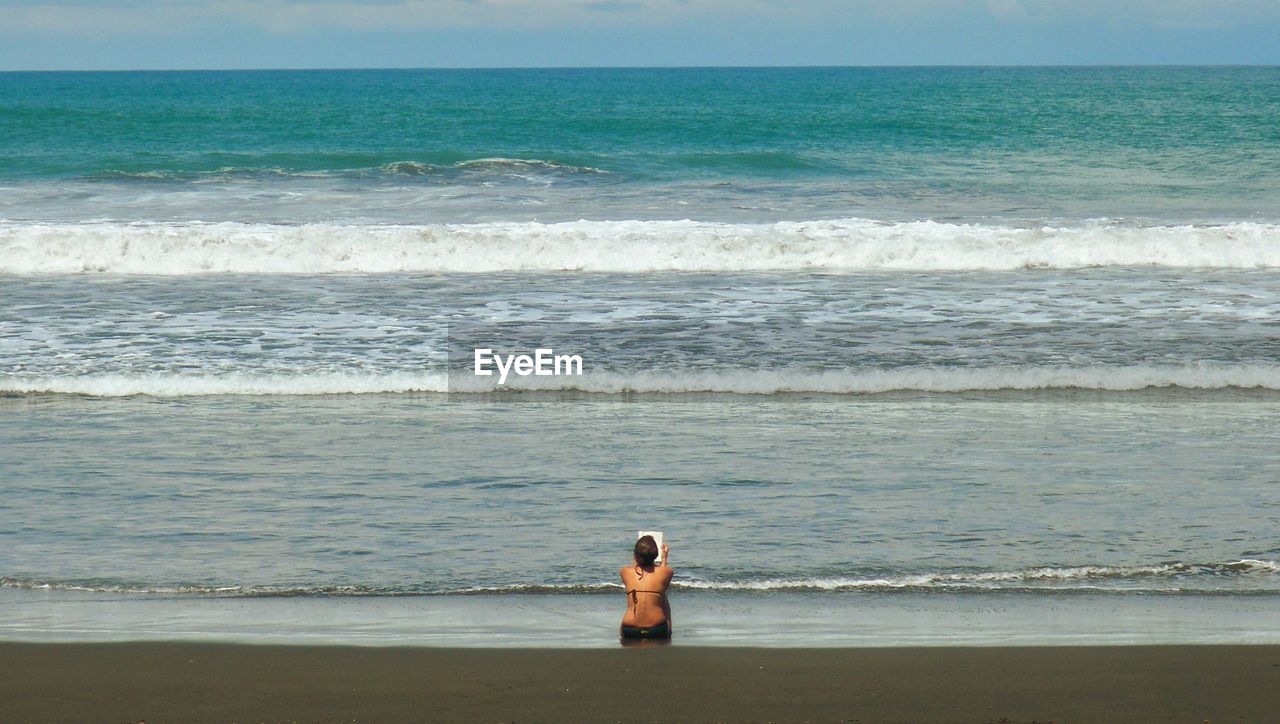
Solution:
(648, 614)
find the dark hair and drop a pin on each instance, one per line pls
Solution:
(646, 550)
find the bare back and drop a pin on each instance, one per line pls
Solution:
(646, 595)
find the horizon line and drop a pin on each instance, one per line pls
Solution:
(798, 66)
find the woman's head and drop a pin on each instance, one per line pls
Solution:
(646, 550)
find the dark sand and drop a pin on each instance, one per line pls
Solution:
(213, 682)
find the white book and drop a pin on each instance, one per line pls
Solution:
(657, 538)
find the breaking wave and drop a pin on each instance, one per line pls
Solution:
(919, 379)
(462, 171)
(1160, 578)
(241, 383)
(737, 382)
(1048, 577)
(621, 246)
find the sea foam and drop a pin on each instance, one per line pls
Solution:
(622, 246)
(1160, 577)
(740, 382)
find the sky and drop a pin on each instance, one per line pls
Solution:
(183, 34)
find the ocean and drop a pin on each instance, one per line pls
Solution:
(892, 355)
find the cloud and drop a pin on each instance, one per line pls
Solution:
(166, 17)
(610, 6)
(1138, 13)
(290, 16)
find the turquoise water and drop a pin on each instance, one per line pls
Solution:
(881, 350)
(1169, 143)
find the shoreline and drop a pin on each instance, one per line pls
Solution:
(171, 681)
(703, 618)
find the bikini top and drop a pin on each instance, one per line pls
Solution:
(634, 592)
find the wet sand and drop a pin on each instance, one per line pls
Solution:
(193, 682)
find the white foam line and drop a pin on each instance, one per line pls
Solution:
(160, 385)
(924, 379)
(1076, 577)
(622, 246)
(743, 382)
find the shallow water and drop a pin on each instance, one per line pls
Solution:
(388, 494)
(702, 619)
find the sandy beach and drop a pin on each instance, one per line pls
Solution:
(226, 682)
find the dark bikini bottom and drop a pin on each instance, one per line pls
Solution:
(661, 631)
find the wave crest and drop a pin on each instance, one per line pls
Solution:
(732, 382)
(878, 381)
(461, 171)
(1052, 578)
(526, 165)
(242, 383)
(1039, 578)
(621, 246)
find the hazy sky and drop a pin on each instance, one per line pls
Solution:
(95, 34)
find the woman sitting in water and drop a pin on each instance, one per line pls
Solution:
(648, 614)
